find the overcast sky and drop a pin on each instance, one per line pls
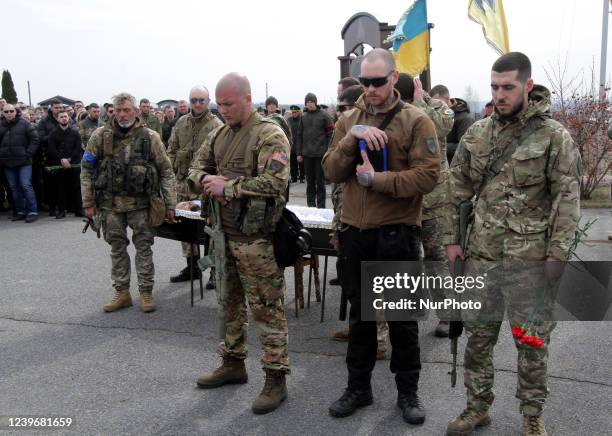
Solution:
(90, 50)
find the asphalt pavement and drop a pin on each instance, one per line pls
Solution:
(134, 373)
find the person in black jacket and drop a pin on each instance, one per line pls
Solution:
(18, 143)
(312, 142)
(463, 120)
(295, 122)
(63, 150)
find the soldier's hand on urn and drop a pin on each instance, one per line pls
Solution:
(374, 137)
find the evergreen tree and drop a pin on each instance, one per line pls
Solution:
(8, 89)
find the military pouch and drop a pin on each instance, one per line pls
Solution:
(182, 163)
(251, 218)
(101, 178)
(116, 177)
(136, 180)
(157, 211)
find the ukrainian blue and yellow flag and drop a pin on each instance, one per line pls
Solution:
(490, 15)
(411, 40)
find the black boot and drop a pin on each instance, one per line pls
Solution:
(183, 275)
(412, 409)
(350, 401)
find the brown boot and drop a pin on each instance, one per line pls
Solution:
(465, 423)
(273, 393)
(121, 300)
(341, 335)
(231, 371)
(146, 301)
(534, 426)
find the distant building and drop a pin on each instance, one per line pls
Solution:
(64, 100)
(163, 103)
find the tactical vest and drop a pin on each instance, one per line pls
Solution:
(253, 215)
(135, 177)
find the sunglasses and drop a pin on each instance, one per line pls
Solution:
(376, 82)
(9, 111)
(344, 107)
(198, 100)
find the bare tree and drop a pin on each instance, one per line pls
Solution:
(587, 119)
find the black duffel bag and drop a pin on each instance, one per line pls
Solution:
(291, 240)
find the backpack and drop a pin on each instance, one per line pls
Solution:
(290, 239)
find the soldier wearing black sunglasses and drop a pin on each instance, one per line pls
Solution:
(380, 206)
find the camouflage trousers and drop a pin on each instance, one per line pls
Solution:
(114, 227)
(433, 247)
(509, 295)
(252, 272)
(186, 247)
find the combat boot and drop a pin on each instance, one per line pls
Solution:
(231, 371)
(146, 301)
(534, 426)
(412, 409)
(273, 393)
(350, 401)
(465, 423)
(183, 275)
(121, 299)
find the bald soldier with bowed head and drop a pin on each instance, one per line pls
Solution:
(186, 138)
(244, 165)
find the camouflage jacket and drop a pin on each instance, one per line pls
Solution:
(94, 154)
(336, 198)
(443, 118)
(267, 141)
(150, 120)
(529, 208)
(86, 128)
(186, 138)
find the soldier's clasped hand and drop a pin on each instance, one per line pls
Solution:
(374, 137)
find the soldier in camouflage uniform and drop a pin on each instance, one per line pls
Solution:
(90, 123)
(185, 140)
(123, 166)
(148, 118)
(527, 210)
(244, 165)
(434, 203)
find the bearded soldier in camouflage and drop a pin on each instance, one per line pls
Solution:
(124, 165)
(527, 210)
(186, 139)
(244, 165)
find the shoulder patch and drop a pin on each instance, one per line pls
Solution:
(432, 145)
(449, 112)
(280, 158)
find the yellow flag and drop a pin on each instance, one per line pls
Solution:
(490, 15)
